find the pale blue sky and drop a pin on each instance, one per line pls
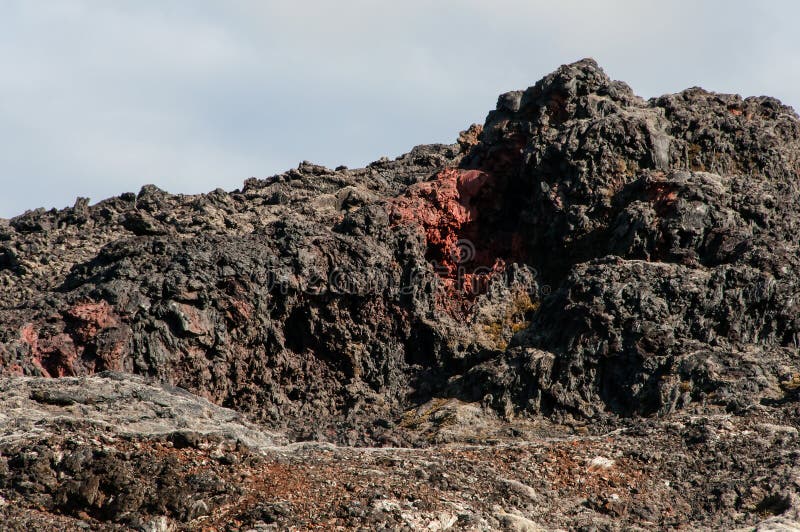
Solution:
(100, 97)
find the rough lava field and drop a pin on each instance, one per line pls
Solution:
(582, 315)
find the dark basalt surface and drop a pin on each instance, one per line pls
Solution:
(585, 263)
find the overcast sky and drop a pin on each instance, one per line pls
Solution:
(99, 97)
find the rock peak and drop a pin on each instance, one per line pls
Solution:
(567, 82)
(582, 71)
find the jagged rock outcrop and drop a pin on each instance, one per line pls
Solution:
(585, 256)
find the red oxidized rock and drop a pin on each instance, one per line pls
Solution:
(446, 209)
(54, 356)
(93, 338)
(91, 318)
(29, 336)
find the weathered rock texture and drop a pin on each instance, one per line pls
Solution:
(586, 259)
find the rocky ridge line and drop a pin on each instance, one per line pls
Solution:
(584, 259)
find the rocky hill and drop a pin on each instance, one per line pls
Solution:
(585, 313)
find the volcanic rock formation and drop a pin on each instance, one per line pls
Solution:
(584, 261)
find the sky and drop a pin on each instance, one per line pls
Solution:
(98, 98)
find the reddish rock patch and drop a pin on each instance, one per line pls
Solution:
(55, 355)
(89, 318)
(93, 339)
(29, 336)
(442, 207)
(469, 228)
(448, 210)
